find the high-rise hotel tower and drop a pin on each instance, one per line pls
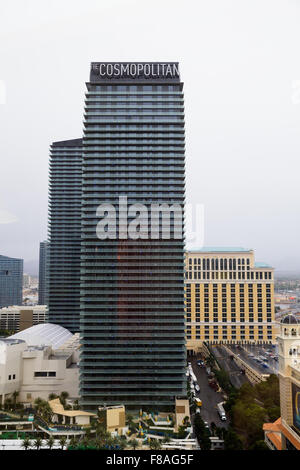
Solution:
(132, 290)
(63, 270)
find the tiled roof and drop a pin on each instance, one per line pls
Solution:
(275, 439)
(274, 431)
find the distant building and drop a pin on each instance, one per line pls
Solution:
(65, 201)
(43, 273)
(26, 281)
(38, 361)
(284, 434)
(18, 318)
(11, 281)
(229, 298)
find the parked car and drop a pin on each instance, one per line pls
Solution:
(213, 384)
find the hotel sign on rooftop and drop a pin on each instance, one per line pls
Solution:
(103, 71)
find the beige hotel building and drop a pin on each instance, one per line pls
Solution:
(229, 298)
(284, 434)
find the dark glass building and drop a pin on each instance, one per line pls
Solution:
(132, 291)
(11, 281)
(65, 233)
(43, 273)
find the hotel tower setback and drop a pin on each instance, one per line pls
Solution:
(132, 291)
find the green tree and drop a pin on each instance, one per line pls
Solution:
(181, 432)
(101, 433)
(186, 421)
(129, 419)
(26, 443)
(76, 405)
(50, 442)
(202, 433)
(8, 403)
(155, 444)
(73, 442)
(52, 396)
(259, 445)
(121, 443)
(63, 397)
(38, 443)
(62, 442)
(15, 396)
(232, 441)
(88, 432)
(134, 443)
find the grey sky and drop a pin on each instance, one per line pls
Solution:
(240, 64)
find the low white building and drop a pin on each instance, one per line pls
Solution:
(38, 361)
(20, 317)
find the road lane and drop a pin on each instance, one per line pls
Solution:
(209, 397)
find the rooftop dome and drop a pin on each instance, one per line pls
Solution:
(289, 319)
(44, 334)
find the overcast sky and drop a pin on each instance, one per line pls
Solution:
(240, 63)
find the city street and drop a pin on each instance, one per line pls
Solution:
(260, 351)
(236, 377)
(209, 397)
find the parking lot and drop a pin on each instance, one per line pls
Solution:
(209, 397)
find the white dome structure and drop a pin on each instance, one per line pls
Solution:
(44, 334)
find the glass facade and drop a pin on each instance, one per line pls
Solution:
(11, 281)
(43, 273)
(132, 291)
(65, 176)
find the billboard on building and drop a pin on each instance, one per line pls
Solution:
(296, 405)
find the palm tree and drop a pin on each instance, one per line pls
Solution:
(63, 397)
(50, 442)
(85, 441)
(45, 410)
(62, 442)
(76, 405)
(38, 403)
(134, 443)
(121, 443)
(26, 443)
(7, 403)
(52, 396)
(15, 395)
(155, 444)
(38, 443)
(73, 442)
(88, 432)
(101, 432)
(186, 421)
